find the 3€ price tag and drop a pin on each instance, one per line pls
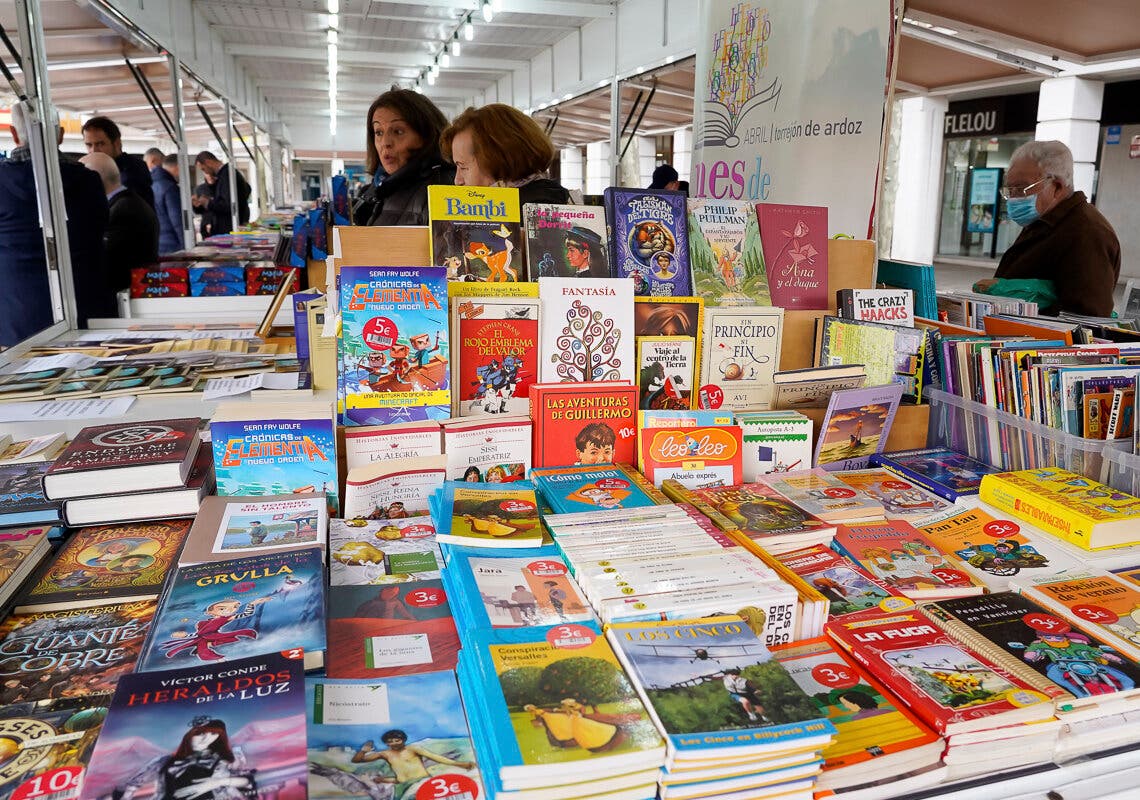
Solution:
(835, 675)
(448, 787)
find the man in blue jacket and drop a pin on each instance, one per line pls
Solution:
(168, 204)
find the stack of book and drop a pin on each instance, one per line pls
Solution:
(27, 521)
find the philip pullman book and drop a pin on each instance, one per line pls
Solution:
(726, 253)
(476, 233)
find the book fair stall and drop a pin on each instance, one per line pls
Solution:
(658, 496)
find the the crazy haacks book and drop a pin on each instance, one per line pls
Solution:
(226, 610)
(171, 734)
(394, 344)
(576, 424)
(476, 233)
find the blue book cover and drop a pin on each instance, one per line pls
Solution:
(593, 488)
(649, 240)
(301, 321)
(389, 738)
(22, 500)
(394, 344)
(946, 473)
(258, 452)
(226, 610)
(234, 730)
(711, 684)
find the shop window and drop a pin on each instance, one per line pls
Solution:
(970, 225)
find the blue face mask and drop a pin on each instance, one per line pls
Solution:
(1022, 210)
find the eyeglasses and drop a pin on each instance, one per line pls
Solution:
(1012, 192)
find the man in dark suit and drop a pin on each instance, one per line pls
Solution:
(25, 306)
(101, 135)
(168, 204)
(219, 206)
(132, 227)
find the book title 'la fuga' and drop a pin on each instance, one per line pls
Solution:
(649, 208)
(487, 210)
(366, 293)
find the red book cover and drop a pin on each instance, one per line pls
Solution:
(497, 355)
(577, 423)
(951, 687)
(849, 587)
(694, 457)
(129, 444)
(795, 254)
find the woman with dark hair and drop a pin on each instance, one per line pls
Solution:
(402, 153)
(203, 767)
(498, 145)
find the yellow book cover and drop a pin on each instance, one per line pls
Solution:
(491, 515)
(476, 233)
(1101, 603)
(1078, 509)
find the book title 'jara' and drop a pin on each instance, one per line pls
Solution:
(365, 293)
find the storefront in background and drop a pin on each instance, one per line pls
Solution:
(979, 137)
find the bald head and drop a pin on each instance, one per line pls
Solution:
(106, 167)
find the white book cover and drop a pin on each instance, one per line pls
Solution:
(369, 552)
(892, 306)
(393, 489)
(363, 446)
(492, 451)
(586, 330)
(741, 351)
(775, 444)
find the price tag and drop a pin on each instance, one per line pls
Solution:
(1046, 623)
(570, 637)
(835, 675)
(448, 787)
(379, 333)
(836, 493)
(517, 506)
(1098, 614)
(1001, 528)
(950, 576)
(544, 569)
(418, 531)
(711, 396)
(57, 784)
(896, 486)
(612, 483)
(425, 598)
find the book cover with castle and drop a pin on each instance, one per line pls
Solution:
(476, 233)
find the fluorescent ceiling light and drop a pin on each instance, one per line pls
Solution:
(334, 6)
(456, 47)
(468, 29)
(444, 59)
(332, 36)
(488, 12)
(497, 5)
(431, 78)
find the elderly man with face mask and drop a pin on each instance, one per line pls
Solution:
(1064, 239)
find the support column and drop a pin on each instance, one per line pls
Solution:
(599, 169)
(572, 172)
(229, 148)
(917, 200)
(1068, 109)
(682, 152)
(185, 179)
(615, 130)
(276, 171)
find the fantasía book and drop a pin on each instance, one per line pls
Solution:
(476, 233)
(586, 332)
(726, 254)
(856, 426)
(649, 240)
(564, 241)
(394, 344)
(741, 352)
(22, 500)
(240, 725)
(496, 354)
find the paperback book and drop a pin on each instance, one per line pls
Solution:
(649, 240)
(367, 444)
(22, 500)
(49, 738)
(586, 331)
(488, 449)
(591, 488)
(693, 456)
(564, 241)
(514, 591)
(666, 372)
(893, 306)
(812, 387)
(476, 233)
(577, 424)
(726, 254)
(393, 489)
(741, 352)
(232, 527)
(856, 426)
(774, 442)
(944, 472)
(22, 550)
(794, 239)
(496, 354)
(820, 493)
(759, 513)
(364, 552)
(849, 588)
(888, 353)
(487, 515)
(901, 498)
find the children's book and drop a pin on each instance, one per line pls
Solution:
(726, 254)
(496, 354)
(693, 456)
(901, 498)
(812, 387)
(649, 240)
(487, 515)
(108, 563)
(515, 591)
(363, 552)
(591, 488)
(227, 610)
(893, 306)
(238, 726)
(393, 489)
(22, 500)
(741, 351)
(367, 444)
(666, 372)
(488, 449)
(849, 588)
(100, 643)
(758, 512)
(231, 527)
(577, 424)
(390, 629)
(476, 233)
(399, 734)
(275, 448)
(712, 687)
(22, 550)
(773, 442)
(888, 353)
(950, 686)
(37, 448)
(1068, 666)
(819, 492)
(394, 344)
(856, 426)
(564, 241)
(586, 331)
(940, 470)
(795, 254)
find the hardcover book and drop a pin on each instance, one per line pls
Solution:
(364, 445)
(363, 552)
(812, 387)
(49, 738)
(666, 372)
(101, 643)
(275, 448)
(394, 344)
(893, 306)
(515, 592)
(239, 727)
(726, 254)
(488, 515)
(693, 456)
(944, 472)
(564, 241)
(849, 588)
(476, 233)
(649, 240)
(901, 498)
(590, 488)
(774, 441)
(586, 332)
(584, 424)
(22, 500)
(820, 493)
(741, 351)
(856, 426)
(393, 489)
(399, 734)
(228, 610)
(124, 456)
(795, 254)
(496, 354)
(108, 563)
(488, 449)
(392, 629)
(951, 687)
(230, 527)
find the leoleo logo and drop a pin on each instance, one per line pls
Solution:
(709, 443)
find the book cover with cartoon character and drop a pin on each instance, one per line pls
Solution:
(476, 233)
(565, 241)
(40, 738)
(649, 240)
(726, 253)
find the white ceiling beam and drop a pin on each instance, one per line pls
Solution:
(557, 8)
(450, 22)
(665, 90)
(372, 58)
(346, 35)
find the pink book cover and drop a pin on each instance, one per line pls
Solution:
(794, 239)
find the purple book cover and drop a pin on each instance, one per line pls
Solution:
(794, 239)
(649, 240)
(856, 426)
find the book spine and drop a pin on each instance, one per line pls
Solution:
(845, 303)
(1114, 414)
(1037, 509)
(640, 481)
